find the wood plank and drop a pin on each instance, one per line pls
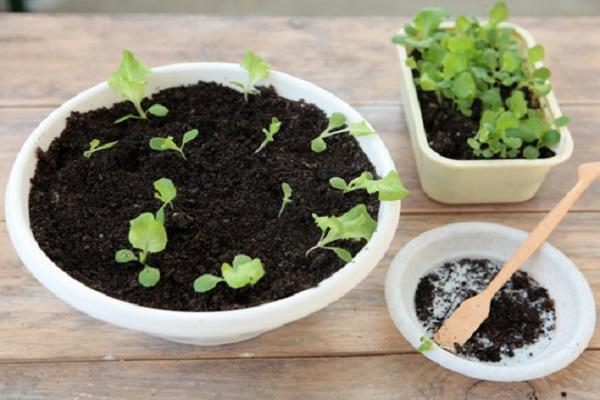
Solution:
(17, 123)
(59, 55)
(31, 318)
(405, 376)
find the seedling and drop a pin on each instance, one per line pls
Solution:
(162, 144)
(354, 224)
(335, 126)
(148, 235)
(287, 197)
(165, 192)
(269, 134)
(426, 344)
(472, 63)
(245, 271)
(96, 146)
(129, 80)
(390, 187)
(257, 69)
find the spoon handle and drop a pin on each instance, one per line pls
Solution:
(539, 234)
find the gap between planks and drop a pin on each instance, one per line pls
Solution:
(225, 358)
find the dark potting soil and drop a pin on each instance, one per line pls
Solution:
(521, 313)
(228, 196)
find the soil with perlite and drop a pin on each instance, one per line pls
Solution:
(521, 313)
(228, 196)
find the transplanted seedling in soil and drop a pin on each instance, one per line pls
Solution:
(129, 80)
(426, 344)
(483, 72)
(162, 144)
(269, 134)
(390, 187)
(148, 235)
(245, 271)
(165, 192)
(354, 224)
(96, 146)
(287, 197)
(336, 126)
(257, 69)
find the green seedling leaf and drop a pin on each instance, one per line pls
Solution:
(318, 145)
(531, 152)
(158, 110)
(535, 54)
(269, 134)
(287, 197)
(148, 276)
(354, 224)
(517, 104)
(257, 69)
(561, 121)
(498, 13)
(390, 187)
(129, 80)
(206, 282)
(344, 254)
(426, 344)
(162, 144)
(551, 138)
(244, 271)
(429, 19)
(165, 192)
(337, 121)
(125, 256)
(96, 146)
(147, 234)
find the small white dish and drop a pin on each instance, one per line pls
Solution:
(566, 285)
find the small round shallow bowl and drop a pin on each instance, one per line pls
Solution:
(574, 302)
(200, 328)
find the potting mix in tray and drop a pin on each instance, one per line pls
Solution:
(205, 197)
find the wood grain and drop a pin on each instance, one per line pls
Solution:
(17, 124)
(404, 376)
(49, 58)
(349, 350)
(31, 318)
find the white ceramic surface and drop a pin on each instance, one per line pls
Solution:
(574, 301)
(202, 328)
(479, 181)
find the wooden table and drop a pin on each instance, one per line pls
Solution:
(350, 350)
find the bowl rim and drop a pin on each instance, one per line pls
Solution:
(261, 317)
(412, 332)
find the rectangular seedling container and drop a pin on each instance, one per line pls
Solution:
(478, 181)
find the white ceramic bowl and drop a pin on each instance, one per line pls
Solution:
(574, 302)
(202, 328)
(478, 181)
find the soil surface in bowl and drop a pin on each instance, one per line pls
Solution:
(228, 196)
(521, 313)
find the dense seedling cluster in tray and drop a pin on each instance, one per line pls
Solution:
(484, 69)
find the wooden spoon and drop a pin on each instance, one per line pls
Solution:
(465, 320)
